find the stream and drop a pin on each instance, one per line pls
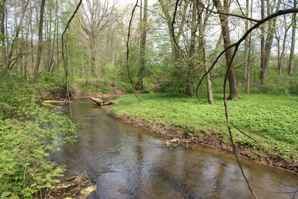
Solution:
(127, 162)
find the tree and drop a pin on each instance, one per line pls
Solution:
(10, 60)
(267, 42)
(40, 38)
(248, 48)
(174, 37)
(2, 30)
(95, 16)
(293, 40)
(143, 39)
(281, 47)
(224, 21)
(202, 50)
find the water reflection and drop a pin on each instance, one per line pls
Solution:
(125, 162)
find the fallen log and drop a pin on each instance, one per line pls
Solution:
(108, 103)
(97, 101)
(55, 102)
(100, 102)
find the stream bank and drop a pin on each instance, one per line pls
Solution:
(189, 122)
(174, 137)
(128, 162)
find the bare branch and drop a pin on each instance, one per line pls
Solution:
(228, 14)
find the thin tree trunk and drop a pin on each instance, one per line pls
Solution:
(31, 34)
(262, 56)
(92, 54)
(10, 60)
(40, 39)
(191, 55)
(247, 77)
(283, 49)
(293, 42)
(202, 55)
(57, 37)
(268, 43)
(2, 31)
(278, 54)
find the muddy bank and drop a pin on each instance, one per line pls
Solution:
(173, 137)
(78, 187)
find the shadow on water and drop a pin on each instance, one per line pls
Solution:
(128, 163)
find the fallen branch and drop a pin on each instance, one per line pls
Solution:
(100, 102)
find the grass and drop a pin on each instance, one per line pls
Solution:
(271, 120)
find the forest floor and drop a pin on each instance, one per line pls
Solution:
(264, 126)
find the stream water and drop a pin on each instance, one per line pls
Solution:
(126, 162)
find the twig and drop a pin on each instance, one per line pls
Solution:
(240, 8)
(228, 14)
(243, 133)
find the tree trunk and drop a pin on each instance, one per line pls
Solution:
(262, 56)
(247, 76)
(92, 41)
(31, 33)
(233, 89)
(191, 54)
(141, 74)
(278, 55)
(293, 42)
(268, 43)
(40, 39)
(10, 60)
(57, 36)
(283, 50)
(2, 31)
(202, 57)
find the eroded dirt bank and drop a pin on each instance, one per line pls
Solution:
(173, 136)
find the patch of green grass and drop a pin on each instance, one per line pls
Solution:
(271, 120)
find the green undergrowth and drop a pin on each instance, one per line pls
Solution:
(270, 120)
(28, 134)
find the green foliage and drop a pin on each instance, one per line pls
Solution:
(15, 100)
(28, 134)
(93, 85)
(272, 120)
(54, 83)
(280, 85)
